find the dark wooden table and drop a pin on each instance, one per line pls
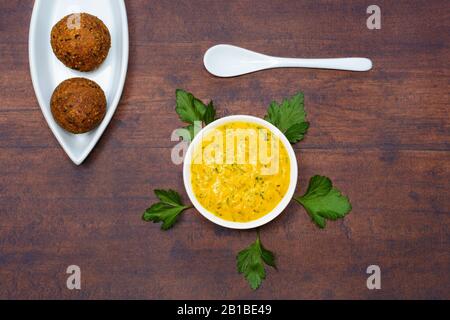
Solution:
(382, 136)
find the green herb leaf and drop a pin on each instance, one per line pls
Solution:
(322, 201)
(193, 111)
(200, 107)
(189, 108)
(167, 210)
(289, 117)
(210, 113)
(250, 262)
(170, 197)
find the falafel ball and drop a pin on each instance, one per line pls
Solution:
(81, 41)
(78, 105)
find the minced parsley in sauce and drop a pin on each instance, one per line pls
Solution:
(238, 188)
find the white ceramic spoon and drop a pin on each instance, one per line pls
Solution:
(225, 60)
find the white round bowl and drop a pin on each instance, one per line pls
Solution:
(269, 216)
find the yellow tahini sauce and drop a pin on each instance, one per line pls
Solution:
(240, 171)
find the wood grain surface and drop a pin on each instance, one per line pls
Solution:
(382, 136)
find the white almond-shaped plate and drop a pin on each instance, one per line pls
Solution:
(47, 71)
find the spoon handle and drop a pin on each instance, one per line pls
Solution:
(351, 64)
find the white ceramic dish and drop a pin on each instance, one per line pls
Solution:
(268, 217)
(47, 71)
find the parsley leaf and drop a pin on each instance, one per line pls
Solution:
(167, 210)
(189, 108)
(289, 117)
(250, 262)
(322, 201)
(210, 113)
(193, 111)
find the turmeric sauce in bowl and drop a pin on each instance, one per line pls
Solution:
(243, 189)
(238, 171)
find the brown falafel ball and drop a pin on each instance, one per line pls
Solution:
(81, 41)
(78, 105)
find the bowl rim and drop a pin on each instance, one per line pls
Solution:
(267, 217)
